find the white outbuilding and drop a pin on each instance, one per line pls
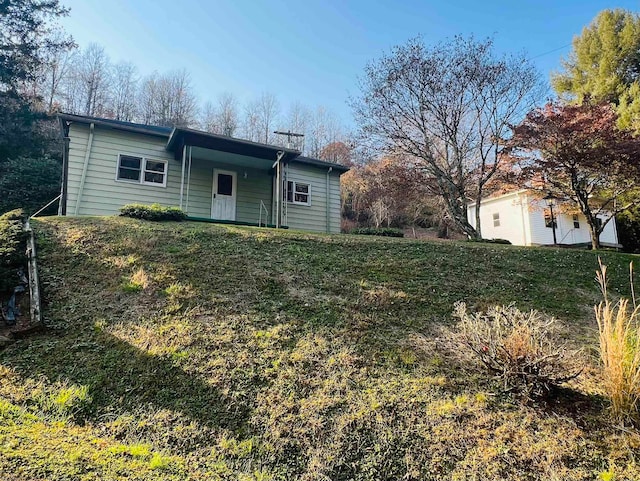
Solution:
(524, 219)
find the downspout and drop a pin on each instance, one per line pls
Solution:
(62, 206)
(184, 161)
(186, 204)
(328, 200)
(522, 218)
(85, 167)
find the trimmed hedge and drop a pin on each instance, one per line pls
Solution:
(153, 212)
(491, 241)
(12, 248)
(381, 231)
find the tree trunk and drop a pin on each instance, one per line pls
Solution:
(478, 226)
(595, 237)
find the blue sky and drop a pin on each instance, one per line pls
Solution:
(308, 50)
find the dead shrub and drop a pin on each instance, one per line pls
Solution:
(520, 348)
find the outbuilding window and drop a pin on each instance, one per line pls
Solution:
(298, 193)
(142, 170)
(496, 219)
(576, 221)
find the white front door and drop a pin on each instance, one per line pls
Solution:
(223, 202)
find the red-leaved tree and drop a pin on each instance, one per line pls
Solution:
(576, 153)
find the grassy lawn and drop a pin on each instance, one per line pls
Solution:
(195, 351)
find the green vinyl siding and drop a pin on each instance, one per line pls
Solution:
(102, 194)
(314, 217)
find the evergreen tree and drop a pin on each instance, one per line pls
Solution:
(604, 65)
(27, 35)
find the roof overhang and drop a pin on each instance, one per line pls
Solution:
(117, 125)
(178, 137)
(181, 137)
(322, 163)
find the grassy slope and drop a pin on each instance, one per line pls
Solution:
(252, 354)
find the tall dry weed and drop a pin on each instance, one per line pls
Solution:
(619, 336)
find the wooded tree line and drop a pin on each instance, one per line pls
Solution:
(86, 82)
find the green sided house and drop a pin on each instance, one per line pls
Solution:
(109, 163)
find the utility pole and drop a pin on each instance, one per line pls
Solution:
(289, 135)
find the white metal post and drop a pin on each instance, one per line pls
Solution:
(184, 160)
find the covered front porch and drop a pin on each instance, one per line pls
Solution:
(230, 181)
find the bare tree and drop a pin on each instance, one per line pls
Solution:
(168, 99)
(208, 118)
(222, 117)
(70, 88)
(123, 91)
(298, 120)
(182, 100)
(445, 108)
(251, 129)
(146, 97)
(52, 73)
(92, 72)
(228, 114)
(267, 110)
(324, 129)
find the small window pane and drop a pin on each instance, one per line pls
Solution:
(496, 219)
(155, 166)
(130, 162)
(304, 198)
(302, 188)
(225, 184)
(128, 174)
(154, 177)
(287, 193)
(576, 222)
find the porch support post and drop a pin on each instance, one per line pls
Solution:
(278, 168)
(278, 187)
(328, 193)
(184, 161)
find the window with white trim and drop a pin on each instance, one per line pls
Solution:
(297, 193)
(496, 219)
(141, 170)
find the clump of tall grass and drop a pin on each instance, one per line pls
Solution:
(619, 335)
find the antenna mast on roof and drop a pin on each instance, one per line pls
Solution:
(289, 135)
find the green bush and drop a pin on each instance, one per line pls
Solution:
(491, 241)
(154, 212)
(381, 231)
(29, 183)
(12, 248)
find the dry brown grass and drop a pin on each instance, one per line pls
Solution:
(140, 278)
(520, 348)
(619, 335)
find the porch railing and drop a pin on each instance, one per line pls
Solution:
(266, 215)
